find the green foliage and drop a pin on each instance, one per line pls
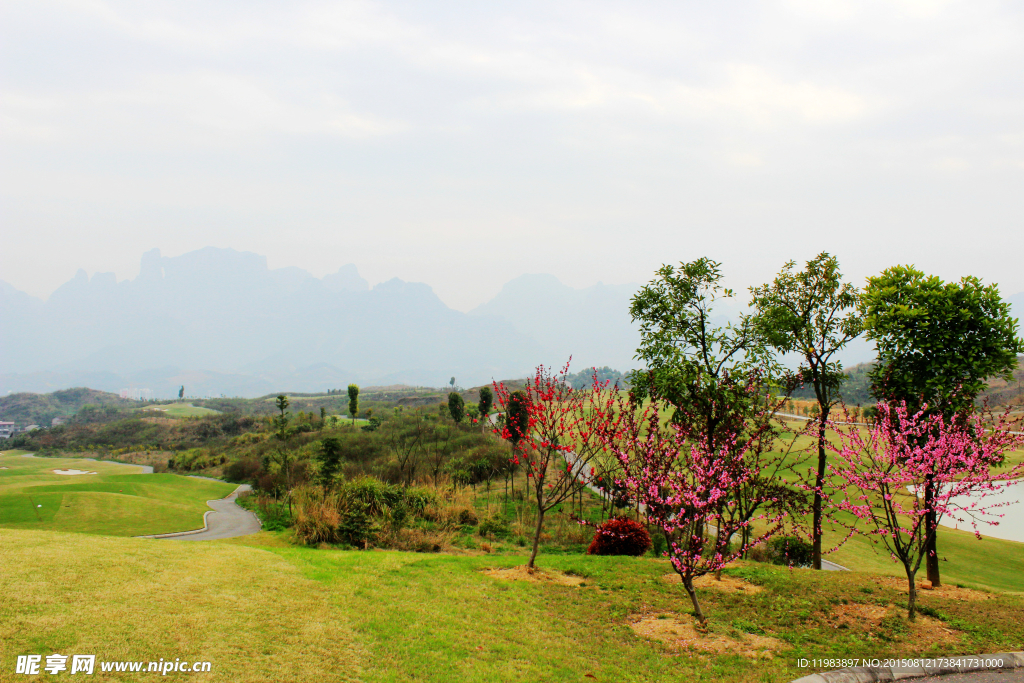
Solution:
(518, 415)
(456, 407)
(937, 341)
(486, 400)
(811, 312)
(329, 458)
(372, 425)
(789, 551)
(584, 379)
(690, 363)
(353, 400)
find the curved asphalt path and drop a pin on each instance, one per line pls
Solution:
(226, 520)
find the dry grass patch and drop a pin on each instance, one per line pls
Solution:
(521, 573)
(879, 620)
(678, 632)
(728, 584)
(249, 612)
(946, 591)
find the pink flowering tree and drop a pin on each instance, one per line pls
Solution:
(690, 491)
(558, 441)
(884, 470)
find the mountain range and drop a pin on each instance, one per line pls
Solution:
(221, 322)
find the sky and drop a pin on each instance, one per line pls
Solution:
(463, 144)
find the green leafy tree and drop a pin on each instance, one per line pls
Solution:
(811, 312)
(329, 457)
(700, 369)
(517, 417)
(282, 432)
(456, 407)
(937, 342)
(353, 402)
(323, 417)
(486, 401)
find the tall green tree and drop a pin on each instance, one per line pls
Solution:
(353, 402)
(282, 431)
(811, 312)
(697, 367)
(456, 406)
(937, 342)
(486, 401)
(329, 457)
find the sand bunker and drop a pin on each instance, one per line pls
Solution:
(678, 632)
(520, 573)
(72, 472)
(728, 584)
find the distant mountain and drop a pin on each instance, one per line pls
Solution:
(251, 329)
(592, 324)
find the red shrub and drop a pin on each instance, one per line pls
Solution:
(620, 536)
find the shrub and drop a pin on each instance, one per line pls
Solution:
(244, 470)
(494, 527)
(620, 536)
(790, 551)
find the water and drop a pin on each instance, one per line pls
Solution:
(1011, 525)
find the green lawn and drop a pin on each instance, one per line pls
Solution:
(179, 410)
(263, 611)
(118, 500)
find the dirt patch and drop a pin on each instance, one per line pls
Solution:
(880, 620)
(160, 420)
(678, 632)
(947, 591)
(72, 472)
(728, 584)
(520, 573)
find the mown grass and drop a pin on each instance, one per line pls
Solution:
(249, 612)
(178, 410)
(261, 610)
(109, 502)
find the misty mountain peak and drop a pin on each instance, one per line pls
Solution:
(347, 279)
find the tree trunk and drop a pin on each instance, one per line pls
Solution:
(697, 611)
(819, 481)
(932, 529)
(531, 565)
(912, 596)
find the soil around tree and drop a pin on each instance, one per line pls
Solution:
(538, 575)
(728, 584)
(678, 632)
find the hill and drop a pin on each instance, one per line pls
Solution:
(28, 408)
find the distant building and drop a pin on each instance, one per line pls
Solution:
(6, 429)
(56, 421)
(31, 428)
(137, 394)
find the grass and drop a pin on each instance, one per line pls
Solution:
(110, 502)
(263, 611)
(180, 410)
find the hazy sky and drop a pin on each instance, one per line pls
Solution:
(463, 143)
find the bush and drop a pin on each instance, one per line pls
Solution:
(790, 551)
(620, 536)
(244, 470)
(494, 527)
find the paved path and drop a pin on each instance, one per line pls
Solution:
(226, 520)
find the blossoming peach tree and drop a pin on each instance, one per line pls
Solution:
(558, 440)
(690, 491)
(883, 471)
